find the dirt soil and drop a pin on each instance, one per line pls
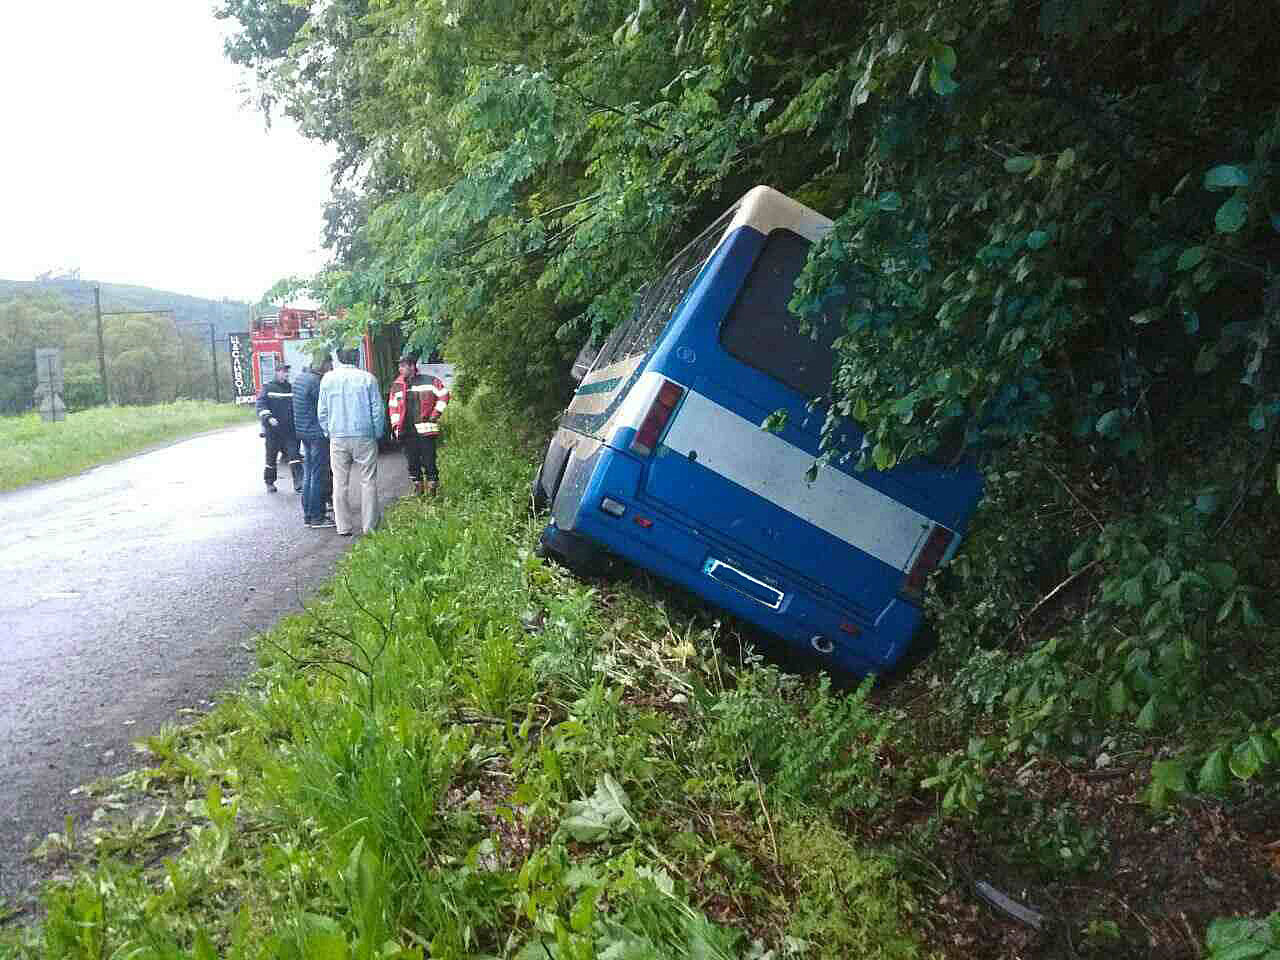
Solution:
(1155, 883)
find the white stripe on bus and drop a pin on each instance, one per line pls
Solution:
(759, 461)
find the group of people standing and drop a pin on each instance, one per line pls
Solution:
(329, 423)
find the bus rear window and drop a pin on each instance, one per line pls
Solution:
(762, 333)
(658, 301)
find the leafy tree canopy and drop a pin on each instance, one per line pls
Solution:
(1060, 220)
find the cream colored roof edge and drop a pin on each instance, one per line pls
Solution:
(765, 209)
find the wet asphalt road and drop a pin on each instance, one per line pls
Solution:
(128, 593)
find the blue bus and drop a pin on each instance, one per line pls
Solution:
(661, 457)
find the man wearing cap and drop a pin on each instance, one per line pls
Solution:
(275, 413)
(414, 407)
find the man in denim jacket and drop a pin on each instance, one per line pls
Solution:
(351, 415)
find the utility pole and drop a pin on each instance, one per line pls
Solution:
(102, 351)
(213, 359)
(214, 312)
(213, 351)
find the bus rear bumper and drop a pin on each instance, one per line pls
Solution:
(741, 585)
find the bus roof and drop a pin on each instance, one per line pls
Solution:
(765, 209)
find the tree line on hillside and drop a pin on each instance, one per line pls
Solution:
(149, 359)
(1061, 221)
(226, 315)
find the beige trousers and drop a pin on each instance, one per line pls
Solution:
(344, 453)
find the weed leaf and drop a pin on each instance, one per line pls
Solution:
(600, 816)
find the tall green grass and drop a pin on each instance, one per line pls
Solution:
(32, 451)
(461, 751)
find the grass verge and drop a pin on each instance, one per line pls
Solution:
(461, 751)
(32, 451)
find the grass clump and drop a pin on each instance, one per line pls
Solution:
(32, 451)
(461, 751)
(847, 903)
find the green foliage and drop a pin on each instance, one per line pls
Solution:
(600, 815)
(513, 343)
(960, 777)
(810, 744)
(1236, 938)
(1154, 638)
(149, 359)
(847, 904)
(83, 387)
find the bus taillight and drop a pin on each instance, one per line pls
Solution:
(927, 560)
(655, 420)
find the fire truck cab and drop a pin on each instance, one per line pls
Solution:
(279, 338)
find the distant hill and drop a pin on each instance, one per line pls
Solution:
(227, 316)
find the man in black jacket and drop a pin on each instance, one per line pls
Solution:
(317, 482)
(275, 411)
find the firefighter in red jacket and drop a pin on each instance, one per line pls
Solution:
(414, 407)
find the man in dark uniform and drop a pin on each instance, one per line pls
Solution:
(275, 412)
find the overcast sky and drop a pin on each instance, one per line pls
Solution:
(127, 152)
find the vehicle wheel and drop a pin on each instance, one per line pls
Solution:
(542, 500)
(576, 554)
(539, 495)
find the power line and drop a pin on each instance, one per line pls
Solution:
(99, 313)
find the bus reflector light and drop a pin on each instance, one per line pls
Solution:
(644, 522)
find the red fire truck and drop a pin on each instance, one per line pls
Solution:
(279, 338)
